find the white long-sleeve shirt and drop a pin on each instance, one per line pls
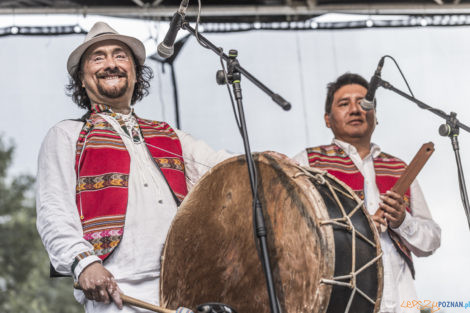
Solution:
(151, 206)
(418, 231)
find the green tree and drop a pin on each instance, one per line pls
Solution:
(25, 285)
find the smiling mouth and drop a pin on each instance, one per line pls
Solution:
(111, 77)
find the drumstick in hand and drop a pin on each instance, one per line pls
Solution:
(136, 302)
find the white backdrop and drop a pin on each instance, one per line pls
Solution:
(297, 65)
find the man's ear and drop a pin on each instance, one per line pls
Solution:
(327, 120)
(80, 75)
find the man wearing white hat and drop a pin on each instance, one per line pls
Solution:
(109, 184)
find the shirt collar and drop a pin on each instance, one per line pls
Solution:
(103, 108)
(350, 149)
(125, 117)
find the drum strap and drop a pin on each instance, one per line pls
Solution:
(388, 169)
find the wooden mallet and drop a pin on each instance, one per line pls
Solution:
(136, 302)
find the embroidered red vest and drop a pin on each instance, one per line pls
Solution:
(102, 167)
(388, 169)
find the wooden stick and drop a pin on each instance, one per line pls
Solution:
(405, 180)
(136, 302)
(410, 173)
(144, 305)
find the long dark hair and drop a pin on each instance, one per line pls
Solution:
(75, 90)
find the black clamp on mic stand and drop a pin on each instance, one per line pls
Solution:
(449, 129)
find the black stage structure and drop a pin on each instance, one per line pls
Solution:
(235, 10)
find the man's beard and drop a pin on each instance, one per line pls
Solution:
(116, 91)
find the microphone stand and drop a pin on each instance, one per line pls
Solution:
(274, 96)
(234, 77)
(450, 129)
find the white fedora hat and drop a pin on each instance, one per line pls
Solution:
(99, 32)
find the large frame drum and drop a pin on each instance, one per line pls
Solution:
(324, 249)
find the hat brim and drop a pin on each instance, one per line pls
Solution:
(134, 44)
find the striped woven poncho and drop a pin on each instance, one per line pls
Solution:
(102, 168)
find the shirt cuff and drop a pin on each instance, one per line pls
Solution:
(84, 263)
(407, 227)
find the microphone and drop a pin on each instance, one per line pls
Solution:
(368, 103)
(166, 47)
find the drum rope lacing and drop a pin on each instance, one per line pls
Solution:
(344, 222)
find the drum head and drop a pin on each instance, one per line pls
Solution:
(210, 253)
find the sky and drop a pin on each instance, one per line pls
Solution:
(297, 65)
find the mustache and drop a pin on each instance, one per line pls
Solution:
(111, 72)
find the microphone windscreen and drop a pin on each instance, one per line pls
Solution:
(367, 105)
(164, 51)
